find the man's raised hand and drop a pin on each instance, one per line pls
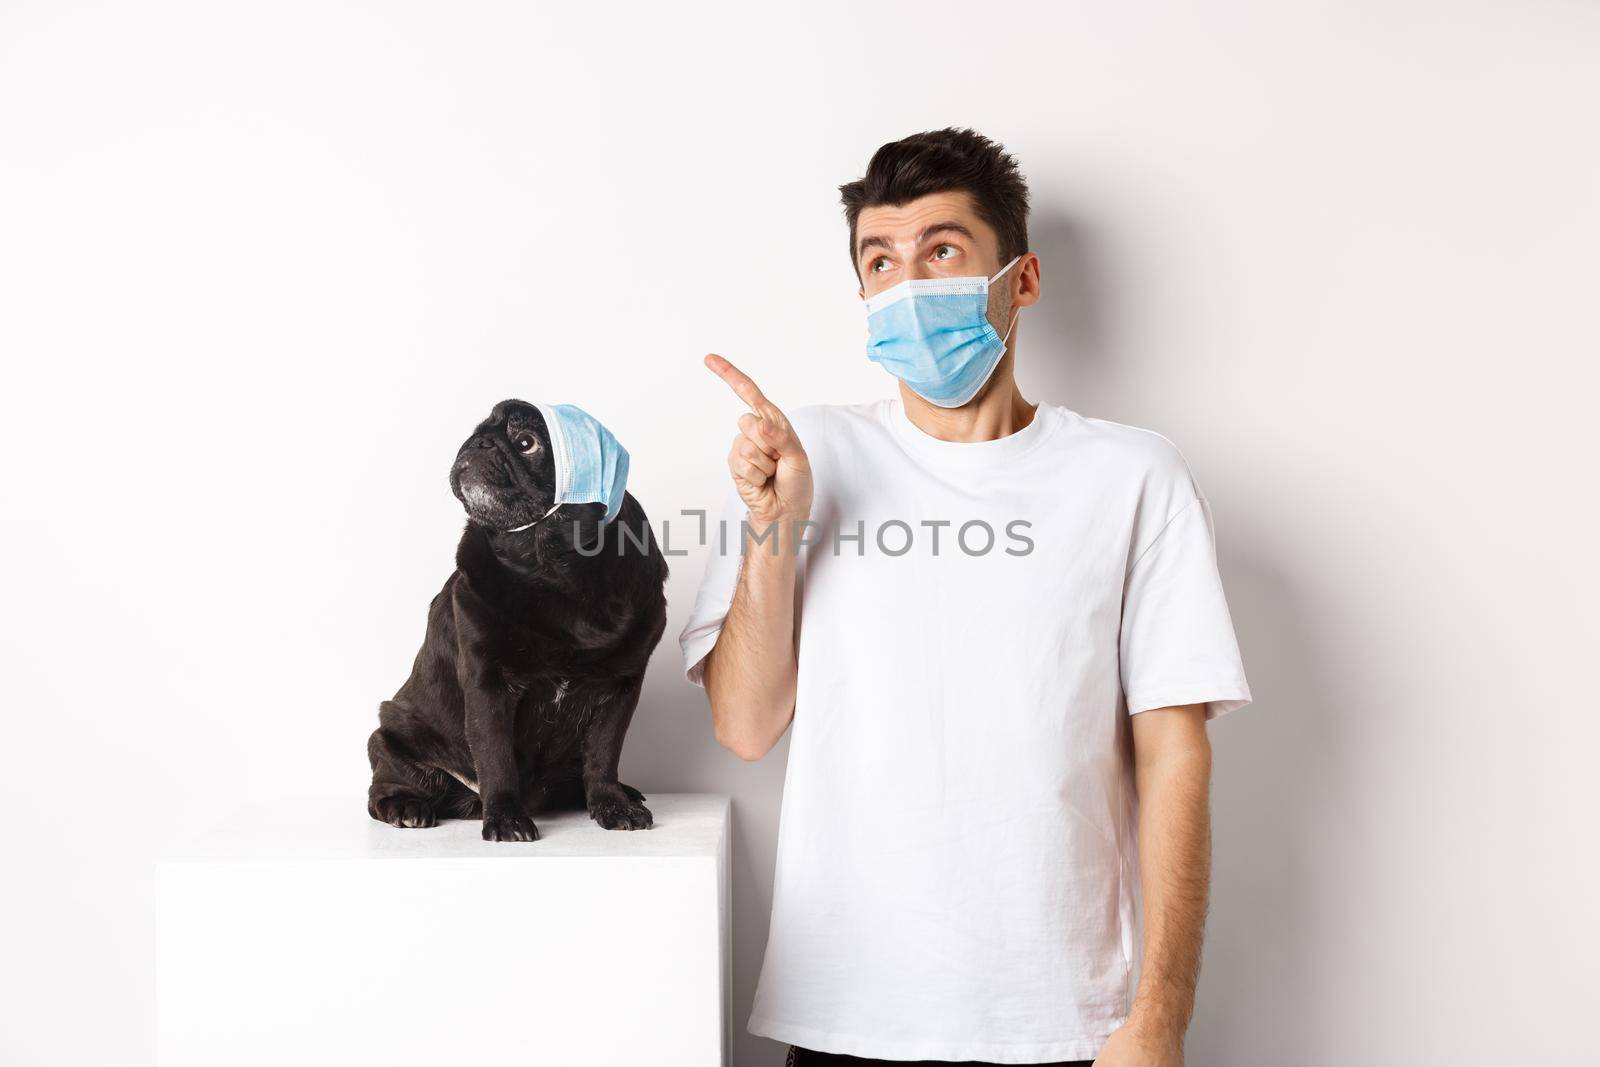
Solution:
(767, 461)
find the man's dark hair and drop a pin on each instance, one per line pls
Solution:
(942, 161)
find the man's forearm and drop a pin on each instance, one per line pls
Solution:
(750, 672)
(1174, 784)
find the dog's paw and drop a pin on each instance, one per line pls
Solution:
(406, 812)
(509, 826)
(620, 813)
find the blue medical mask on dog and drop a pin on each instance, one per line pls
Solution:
(591, 466)
(934, 335)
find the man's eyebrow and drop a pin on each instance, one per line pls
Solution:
(949, 226)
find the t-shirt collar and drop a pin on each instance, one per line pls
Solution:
(1006, 449)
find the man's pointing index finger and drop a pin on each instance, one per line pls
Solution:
(743, 387)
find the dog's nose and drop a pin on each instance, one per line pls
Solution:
(481, 441)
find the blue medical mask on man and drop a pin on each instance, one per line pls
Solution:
(591, 467)
(934, 334)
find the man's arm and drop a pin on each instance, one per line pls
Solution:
(750, 672)
(1172, 771)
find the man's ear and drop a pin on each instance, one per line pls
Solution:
(580, 526)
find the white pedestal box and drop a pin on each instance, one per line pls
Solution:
(302, 932)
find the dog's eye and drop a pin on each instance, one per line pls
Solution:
(527, 443)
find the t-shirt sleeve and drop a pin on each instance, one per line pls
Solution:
(1177, 642)
(723, 537)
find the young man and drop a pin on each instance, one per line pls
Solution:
(999, 631)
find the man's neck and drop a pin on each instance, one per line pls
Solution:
(998, 410)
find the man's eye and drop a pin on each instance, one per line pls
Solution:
(944, 248)
(527, 443)
(878, 263)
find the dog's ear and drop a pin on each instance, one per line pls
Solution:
(580, 526)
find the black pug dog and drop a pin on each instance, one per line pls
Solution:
(526, 682)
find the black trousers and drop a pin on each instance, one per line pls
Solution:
(804, 1057)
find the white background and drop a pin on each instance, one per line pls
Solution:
(262, 268)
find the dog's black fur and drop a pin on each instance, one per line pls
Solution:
(534, 656)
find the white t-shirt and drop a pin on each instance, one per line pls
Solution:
(957, 868)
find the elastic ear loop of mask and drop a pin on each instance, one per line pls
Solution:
(1014, 311)
(541, 518)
